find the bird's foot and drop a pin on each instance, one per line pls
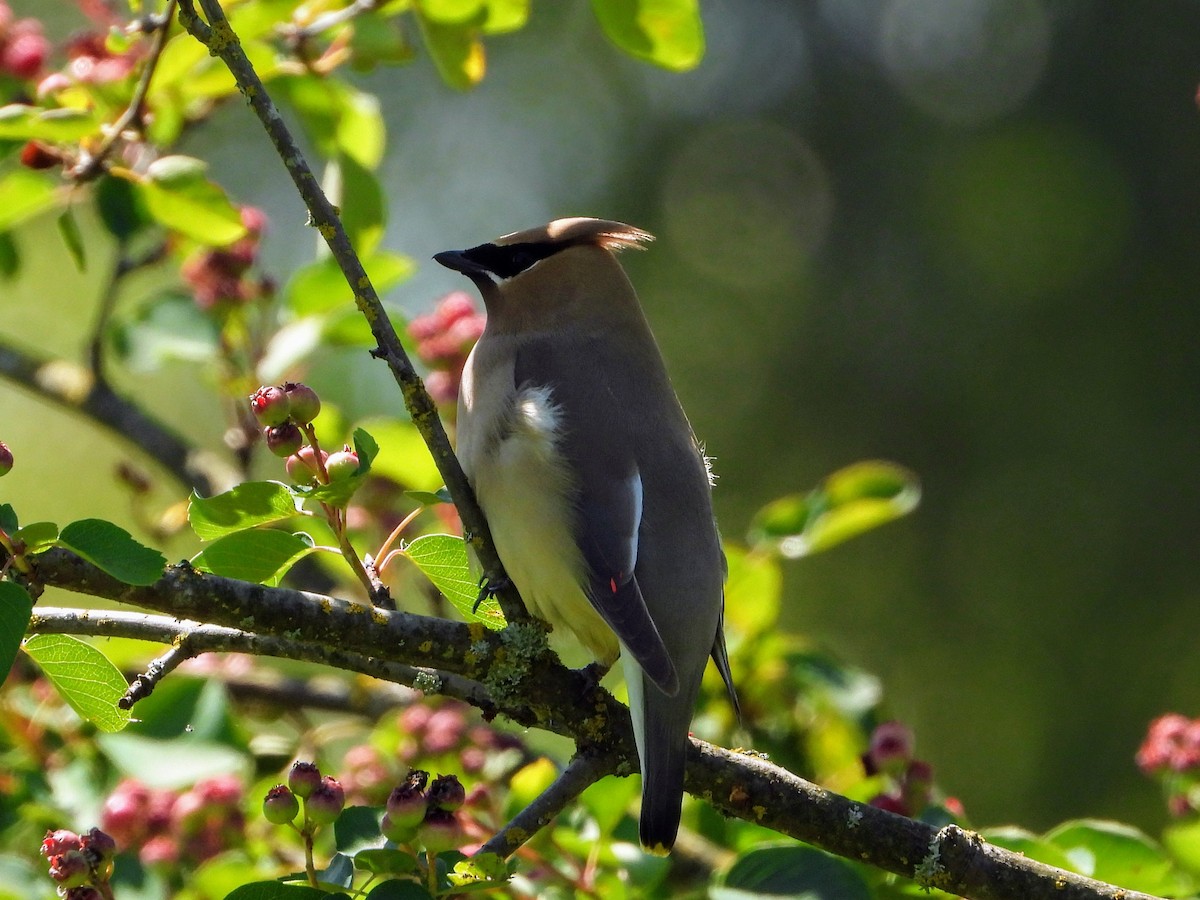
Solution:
(489, 588)
(593, 673)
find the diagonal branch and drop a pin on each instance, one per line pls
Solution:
(74, 388)
(527, 684)
(221, 40)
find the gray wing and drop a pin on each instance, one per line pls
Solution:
(597, 443)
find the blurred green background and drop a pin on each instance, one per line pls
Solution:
(960, 235)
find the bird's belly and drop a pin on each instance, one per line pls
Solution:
(525, 495)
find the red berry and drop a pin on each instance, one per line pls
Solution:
(454, 306)
(890, 750)
(58, 842)
(271, 406)
(280, 806)
(36, 155)
(304, 778)
(26, 50)
(6, 459)
(284, 440)
(304, 401)
(302, 465)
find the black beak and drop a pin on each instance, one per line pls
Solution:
(460, 262)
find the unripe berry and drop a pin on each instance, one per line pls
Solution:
(447, 793)
(326, 801)
(302, 466)
(280, 806)
(406, 805)
(270, 405)
(304, 778)
(284, 440)
(304, 401)
(341, 464)
(70, 869)
(397, 833)
(441, 831)
(6, 459)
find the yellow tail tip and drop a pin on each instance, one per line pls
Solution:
(657, 849)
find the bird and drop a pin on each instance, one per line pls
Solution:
(596, 491)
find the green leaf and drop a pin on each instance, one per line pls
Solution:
(505, 15)
(361, 133)
(179, 195)
(668, 33)
(430, 498)
(181, 705)
(118, 205)
(191, 760)
(68, 230)
(385, 860)
(83, 676)
(365, 448)
(19, 122)
(753, 590)
(16, 608)
(443, 559)
(1119, 854)
(113, 549)
(10, 257)
(379, 39)
(848, 503)
(246, 506)
(456, 50)
(321, 287)
(258, 555)
(481, 870)
(24, 194)
(403, 456)
(171, 329)
(8, 518)
(1018, 840)
(399, 890)
(274, 890)
(360, 201)
(357, 829)
(790, 870)
(336, 117)
(37, 536)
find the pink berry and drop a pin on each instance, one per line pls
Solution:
(70, 869)
(447, 793)
(326, 801)
(284, 440)
(161, 849)
(304, 778)
(271, 406)
(441, 831)
(6, 459)
(341, 464)
(254, 220)
(280, 806)
(890, 750)
(302, 466)
(25, 52)
(304, 401)
(58, 842)
(406, 805)
(453, 307)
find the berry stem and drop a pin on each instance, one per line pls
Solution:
(431, 871)
(383, 554)
(311, 434)
(15, 557)
(309, 868)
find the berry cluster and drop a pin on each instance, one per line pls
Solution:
(910, 791)
(444, 339)
(427, 815)
(285, 413)
(80, 864)
(1171, 753)
(446, 729)
(167, 827)
(321, 796)
(218, 277)
(23, 46)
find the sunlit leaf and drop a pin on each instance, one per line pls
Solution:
(23, 123)
(24, 194)
(848, 503)
(37, 536)
(258, 555)
(321, 287)
(83, 676)
(1119, 854)
(443, 559)
(191, 760)
(753, 590)
(361, 133)
(668, 33)
(1018, 840)
(171, 329)
(178, 194)
(456, 50)
(245, 506)
(113, 549)
(790, 870)
(403, 456)
(16, 606)
(505, 15)
(361, 203)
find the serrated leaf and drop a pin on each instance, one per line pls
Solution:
(848, 503)
(443, 559)
(72, 238)
(456, 50)
(83, 676)
(24, 194)
(179, 195)
(37, 536)
(245, 506)
(113, 549)
(258, 555)
(1119, 854)
(321, 287)
(366, 449)
(791, 870)
(20, 122)
(668, 33)
(16, 607)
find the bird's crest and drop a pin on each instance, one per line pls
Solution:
(580, 230)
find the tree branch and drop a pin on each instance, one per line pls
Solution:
(221, 41)
(526, 683)
(75, 389)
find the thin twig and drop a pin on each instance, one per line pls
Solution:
(158, 669)
(221, 40)
(580, 774)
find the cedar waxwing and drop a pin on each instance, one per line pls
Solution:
(597, 494)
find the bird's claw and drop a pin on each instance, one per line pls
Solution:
(489, 588)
